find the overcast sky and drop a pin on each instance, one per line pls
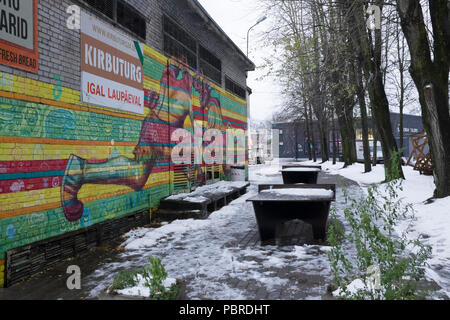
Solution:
(235, 17)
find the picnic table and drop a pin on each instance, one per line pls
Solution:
(300, 174)
(277, 204)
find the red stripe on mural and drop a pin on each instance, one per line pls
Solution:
(20, 185)
(32, 166)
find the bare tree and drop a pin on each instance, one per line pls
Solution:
(430, 61)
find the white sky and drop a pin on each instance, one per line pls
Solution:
(235, 17)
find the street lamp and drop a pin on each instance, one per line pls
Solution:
(257, 22)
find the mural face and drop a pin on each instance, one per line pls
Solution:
(65, 165)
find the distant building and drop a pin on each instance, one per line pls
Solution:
(294, 143)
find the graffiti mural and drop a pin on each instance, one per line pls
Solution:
(177, 85)
(65, 165)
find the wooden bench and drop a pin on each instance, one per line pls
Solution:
(273, 206)
(293, 174)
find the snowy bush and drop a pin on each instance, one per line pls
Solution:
(372, 221)
(149, 281)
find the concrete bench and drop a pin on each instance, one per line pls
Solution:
(277, 204)
(300, 174)
(200, 203)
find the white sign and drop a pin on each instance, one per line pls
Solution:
(111, 69)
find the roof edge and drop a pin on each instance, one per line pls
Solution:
(196, 4)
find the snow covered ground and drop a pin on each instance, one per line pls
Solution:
(206, 254)
(432, 223)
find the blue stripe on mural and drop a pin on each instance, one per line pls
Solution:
(30, 175)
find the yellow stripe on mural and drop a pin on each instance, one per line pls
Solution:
(42, 152)
(234, 115)
(105, 169)
(152, 53)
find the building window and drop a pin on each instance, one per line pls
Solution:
(104, 6)
(179, 43)
(210, 65)
(234, 88)
(123, 14)
(128, 17)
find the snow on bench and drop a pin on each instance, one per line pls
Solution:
(220, 187)
(301, 169)
(295, 193)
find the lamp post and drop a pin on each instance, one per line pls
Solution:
(257, 22)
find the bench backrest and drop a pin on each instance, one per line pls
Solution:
(298, 186)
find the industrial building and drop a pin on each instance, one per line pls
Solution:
(91, 93)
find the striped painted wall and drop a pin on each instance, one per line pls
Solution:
(65, 165)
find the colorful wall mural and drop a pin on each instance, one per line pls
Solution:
(65, 165)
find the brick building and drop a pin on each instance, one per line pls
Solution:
(91, 94)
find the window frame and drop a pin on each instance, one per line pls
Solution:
(178, 42)
(114, 18)
(228, 79)
(197, 53)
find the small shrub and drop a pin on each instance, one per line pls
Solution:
(153, 276)
(125, 279)
(373, 219)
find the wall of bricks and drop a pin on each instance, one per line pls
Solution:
(43, 124)
(59, 47)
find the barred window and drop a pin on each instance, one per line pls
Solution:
(104, 6)
(122, 13)
(179, 43)
(234, 88)
(210, 65)
(182, 45)
(128, 17)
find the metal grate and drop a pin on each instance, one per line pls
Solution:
(210, 65)
(211, 72)
(130, 19)
(207, 56)
(233, 87)
(179, 34)
(104, 6)
(176, 49)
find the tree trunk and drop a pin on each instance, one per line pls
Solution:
(308, 133)
(312, 142)
(324, 141)
(371, 57)
(348, 135)
(401, 69)
(333, 124)
(431, 80)
(362, 106)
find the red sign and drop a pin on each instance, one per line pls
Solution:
(19, 34)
